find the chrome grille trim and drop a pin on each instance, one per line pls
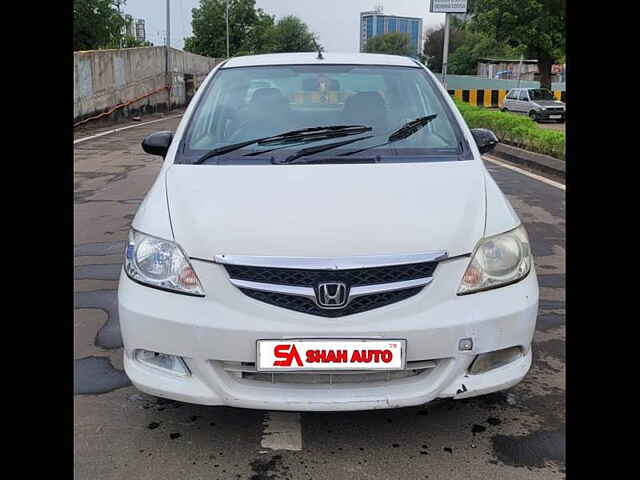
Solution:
(270, 287)
(331, 263)
(309, 292)
(388, 287)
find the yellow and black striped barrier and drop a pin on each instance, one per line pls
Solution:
(490, 98)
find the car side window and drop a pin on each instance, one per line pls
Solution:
(524, 95)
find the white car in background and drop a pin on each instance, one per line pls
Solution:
(538, 103)
(350, 257)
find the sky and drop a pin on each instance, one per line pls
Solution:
(335, 21)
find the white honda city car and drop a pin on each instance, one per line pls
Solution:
(332, 241)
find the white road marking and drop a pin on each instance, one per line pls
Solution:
(115, 130)
(540, 178)
(282, 431)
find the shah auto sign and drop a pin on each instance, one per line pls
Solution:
(330, 354)
(448, 6)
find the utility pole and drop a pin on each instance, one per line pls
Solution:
(445, 54)
(167, 56)
(520, 69)
(228, 29)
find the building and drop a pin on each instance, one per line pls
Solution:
(376, 23)
(129, 28)
(492, 68)
(141, 35)
(134, 28)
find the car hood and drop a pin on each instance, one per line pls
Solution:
(327, 210)
(549, 103)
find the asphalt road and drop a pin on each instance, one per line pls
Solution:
(121, 433)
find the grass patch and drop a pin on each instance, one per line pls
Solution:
(513, 129)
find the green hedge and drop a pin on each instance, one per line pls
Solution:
(513, 129)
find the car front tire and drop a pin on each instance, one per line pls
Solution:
(534, 116)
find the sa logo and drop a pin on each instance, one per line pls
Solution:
(288, 353)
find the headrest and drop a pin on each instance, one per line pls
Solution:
(366, 101)
(270, 95)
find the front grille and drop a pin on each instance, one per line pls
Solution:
(555, 109)
(247, 371)
(294, 285)
(330, 378)
(357, 305)
(353, 277)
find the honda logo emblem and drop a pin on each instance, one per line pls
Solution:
(332, 295)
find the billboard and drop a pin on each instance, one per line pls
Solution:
(448, 6)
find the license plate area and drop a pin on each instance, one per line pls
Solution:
(555, 116)
(325, 355)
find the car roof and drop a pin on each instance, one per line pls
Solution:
(311, 58)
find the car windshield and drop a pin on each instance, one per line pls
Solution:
(241, 104)
(540, 94)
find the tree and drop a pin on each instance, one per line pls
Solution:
(260, 36)
(290, 34)
(251, 30)
(474, 46)
(97, 24)
(132, 42)
(536, 27)
(209, 27)
(395, 43)
(434, 44)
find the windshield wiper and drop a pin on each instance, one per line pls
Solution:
(321, 148)
(403, 132)
(306, 134)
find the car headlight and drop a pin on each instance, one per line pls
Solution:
(498, 261)
(160, 263)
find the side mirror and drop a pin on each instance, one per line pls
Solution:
(157, 143)
(485, 139)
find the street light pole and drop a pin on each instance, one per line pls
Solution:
(228, 29)
(168, 24)
(167, 56)
(520, 69)
(445, 54)
(125, 27)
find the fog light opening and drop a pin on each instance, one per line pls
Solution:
(496, 359)
(163, 361)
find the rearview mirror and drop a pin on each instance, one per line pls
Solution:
(485, 139)
(157, 143)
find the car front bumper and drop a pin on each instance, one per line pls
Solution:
(222, 328)
(546, 115)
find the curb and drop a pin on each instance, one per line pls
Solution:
(534, 161)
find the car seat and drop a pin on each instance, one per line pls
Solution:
(366, 108)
